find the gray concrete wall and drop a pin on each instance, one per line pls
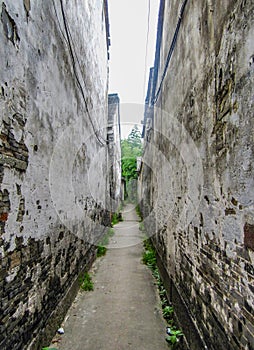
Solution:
(199, 198)
(50, 212)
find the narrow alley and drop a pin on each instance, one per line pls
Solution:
(104, 102)
(123, 311)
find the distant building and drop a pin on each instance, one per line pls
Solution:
(114, 151)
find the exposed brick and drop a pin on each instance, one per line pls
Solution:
(204, 111)
(249, 236)
(40, 100)
(4, 217)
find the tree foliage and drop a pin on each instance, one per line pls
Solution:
(131, 149)
(134, 140)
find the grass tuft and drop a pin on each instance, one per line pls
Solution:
(116, 217)
(86, 282)
(101, 251)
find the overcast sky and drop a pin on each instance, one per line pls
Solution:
(128, 31)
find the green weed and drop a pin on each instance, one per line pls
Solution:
(149, 258)
(174, 336)
(168, 311)
(105, 239)
(141, 226)
(86, 282)
(138, 211)
(162, 292)
(164, 301)
(111, 232)
(116, 217)
(101, 251)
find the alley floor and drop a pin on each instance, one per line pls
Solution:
(123, 312)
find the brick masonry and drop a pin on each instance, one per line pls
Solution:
(42, 248)
(206, 97)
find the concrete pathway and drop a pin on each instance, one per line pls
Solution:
(123, 312)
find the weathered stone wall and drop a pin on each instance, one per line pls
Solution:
(49, 215)
(114, 151)
(203, 224)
